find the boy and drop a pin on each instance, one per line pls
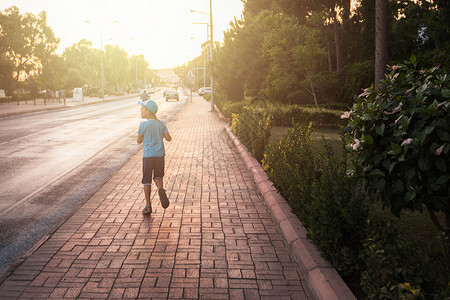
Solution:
(151, 133)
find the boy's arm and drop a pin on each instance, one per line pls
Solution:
(140, 139)
(167, 136)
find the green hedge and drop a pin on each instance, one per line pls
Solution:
(233, 108)
(285, 115)
(328, 202)
(252, 127)
(365, 249)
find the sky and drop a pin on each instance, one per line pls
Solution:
(161, 30)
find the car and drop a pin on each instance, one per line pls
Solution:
(172, 94)
(204, 90)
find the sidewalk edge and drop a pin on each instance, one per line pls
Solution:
(10, 114)
(324, 280)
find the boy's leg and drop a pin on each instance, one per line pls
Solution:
(162, 192)
(158, 178)
(147, 182)
(159, 183)
(148, 192)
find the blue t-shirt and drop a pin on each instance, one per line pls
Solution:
(153, 132)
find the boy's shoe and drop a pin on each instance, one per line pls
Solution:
(163, 198)
(147, 210)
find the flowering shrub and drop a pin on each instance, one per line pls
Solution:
(401, 139)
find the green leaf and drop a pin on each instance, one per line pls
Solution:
(424, 164)
(445, 93)
(380, 129)
(398, 186)
(378, 184)
(391, 167)
(409, 174)
(410, 195)
(442, 180)
(441, 164)
(367, 117)
(377, 158)
(368, 139)
(396, 149)
(429, 129)
(376, 173)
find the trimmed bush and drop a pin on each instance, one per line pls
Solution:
(284, 115)
(231, 108)
(328, 202)
(290, 165)
(337, 216)
(252, 127)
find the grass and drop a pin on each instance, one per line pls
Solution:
(415, 226)
(331, 135)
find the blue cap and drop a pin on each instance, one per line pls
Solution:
(150, 104)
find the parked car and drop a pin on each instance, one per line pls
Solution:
(172, 94)
(204, 90)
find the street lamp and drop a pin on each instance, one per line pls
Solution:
(212, 47)
(101, 55)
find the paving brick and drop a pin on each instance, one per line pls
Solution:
(216, 240)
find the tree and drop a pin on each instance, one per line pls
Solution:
(53, 75)
(381, 39)
(82, 64)
(239, 64)
(25, 43)
(309, 58)
(116, 63)
(295, 56)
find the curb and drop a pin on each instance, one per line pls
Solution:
(324, 280)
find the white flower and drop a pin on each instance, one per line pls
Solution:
(442, 103)
(345, 115)
(439, 150)
(407, 142)
(365, 93)
(356, 144)
(396, 67)
(398, 108)
(398, 119)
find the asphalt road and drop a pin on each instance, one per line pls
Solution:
(51, 162)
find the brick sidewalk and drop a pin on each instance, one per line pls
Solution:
(217, 239)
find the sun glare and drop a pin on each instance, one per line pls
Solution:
(160, 30)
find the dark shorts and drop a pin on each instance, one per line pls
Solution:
(152, 167)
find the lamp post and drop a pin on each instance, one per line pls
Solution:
(101, 55)
(212, 47)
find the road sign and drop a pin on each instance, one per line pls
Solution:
(190, 77)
